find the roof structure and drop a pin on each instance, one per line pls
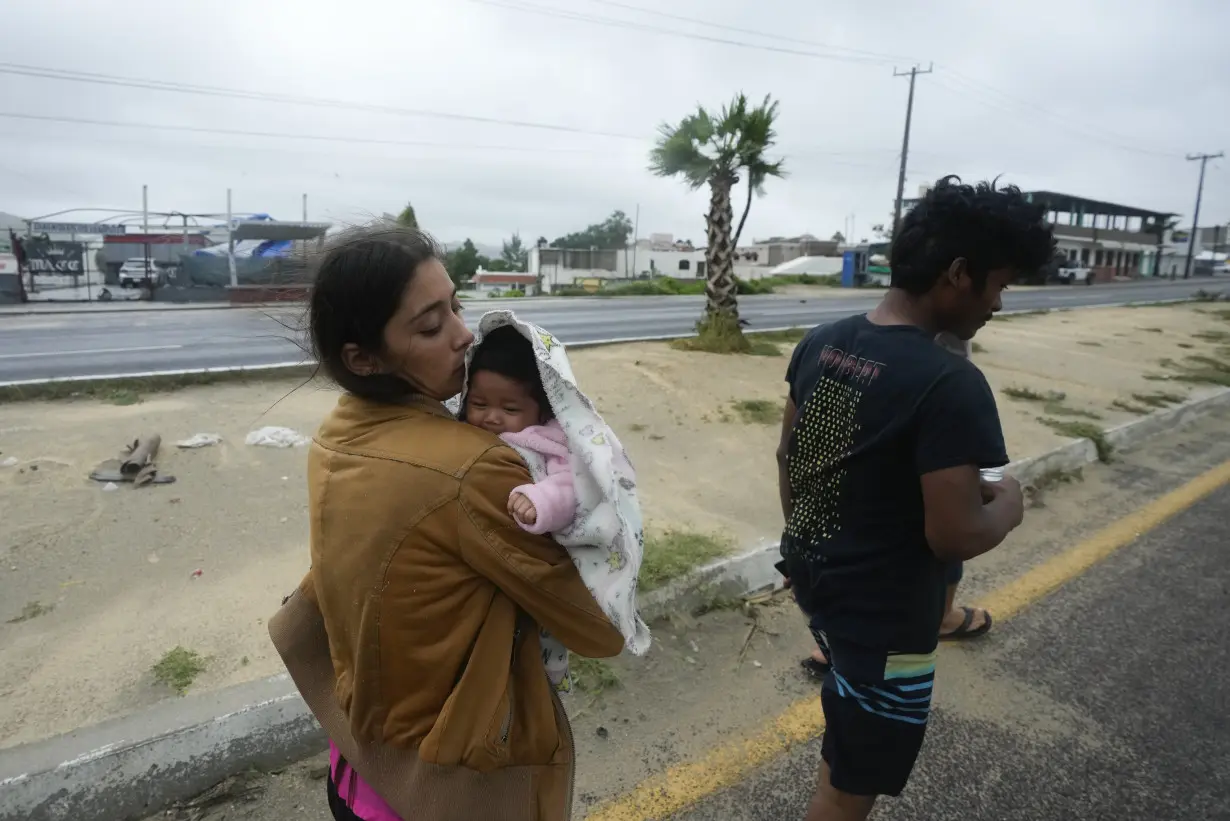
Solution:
(503, 278)
(277, 231)
(1067, 203)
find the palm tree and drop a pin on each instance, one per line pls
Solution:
(714, 150)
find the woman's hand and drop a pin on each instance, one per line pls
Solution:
(522, 509)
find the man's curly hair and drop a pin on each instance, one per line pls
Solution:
(990, 227)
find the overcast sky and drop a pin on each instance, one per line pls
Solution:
(1098, 98)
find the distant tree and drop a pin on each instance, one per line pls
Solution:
(541, 242)
(838, 237)
(514, 254)
(613, 232)
(407, 218)
(498, 264)
(463, 262)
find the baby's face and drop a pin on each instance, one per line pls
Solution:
(500, 405)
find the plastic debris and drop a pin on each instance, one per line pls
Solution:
(757, 664)
(275, 437)
(111, 486)
(196, 574)
(9, 462)
(199, 440)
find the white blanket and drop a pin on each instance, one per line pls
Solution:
(605, 540)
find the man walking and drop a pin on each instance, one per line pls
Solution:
(882, 441)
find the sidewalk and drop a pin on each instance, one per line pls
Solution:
(117, 306)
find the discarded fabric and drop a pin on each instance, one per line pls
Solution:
(275, 437)
(199, 440)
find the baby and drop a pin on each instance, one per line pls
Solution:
(505, 395)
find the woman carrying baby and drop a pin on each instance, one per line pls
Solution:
(431, 594)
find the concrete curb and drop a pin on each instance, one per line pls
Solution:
(138, 765)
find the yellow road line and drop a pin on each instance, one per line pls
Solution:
(685, 784)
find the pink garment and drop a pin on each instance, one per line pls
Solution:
(555, 497)
(363, 802)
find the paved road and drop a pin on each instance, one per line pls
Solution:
(1129, 659)
(98, 343)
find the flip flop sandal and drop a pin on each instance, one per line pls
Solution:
(815, 668)
(964, 631)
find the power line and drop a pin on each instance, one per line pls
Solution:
(989, 96)
(743, 30)
(612, 22)
(234, 132)
(277, 97)
(1191, 243)
(852, 55)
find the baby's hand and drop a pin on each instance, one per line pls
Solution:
(520, 506)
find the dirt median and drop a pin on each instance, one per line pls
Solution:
(100, 585)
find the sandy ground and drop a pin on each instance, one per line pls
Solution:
(119, 568)
(712, 681)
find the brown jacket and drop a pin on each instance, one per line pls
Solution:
(431, 594)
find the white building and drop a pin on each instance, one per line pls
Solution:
(499, 282)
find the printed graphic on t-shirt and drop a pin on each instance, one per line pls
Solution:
(824, 436)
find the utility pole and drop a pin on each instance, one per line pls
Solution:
(1191, 242)
(905, 141)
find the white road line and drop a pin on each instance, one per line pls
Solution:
(90, 352)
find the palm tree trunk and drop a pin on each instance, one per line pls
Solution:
(719, 256)
(751, 189)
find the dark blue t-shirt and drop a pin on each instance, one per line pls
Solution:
(878, 407)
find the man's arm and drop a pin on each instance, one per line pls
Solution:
(959, 526)
(958, 432)
(783, 454)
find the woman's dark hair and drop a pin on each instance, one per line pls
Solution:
(506, 352)
(360, 280)
(990, 227)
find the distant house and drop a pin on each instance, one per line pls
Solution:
(488, 282)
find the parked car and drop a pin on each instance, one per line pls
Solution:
(138, 272)
(1073, 273)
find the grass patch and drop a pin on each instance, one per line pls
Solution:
(718, 333)
(592, 676)
(1022, 314)
(758, 411)
(1186, 345)
(1152, 330)
(1082, 430)
(636, 427)
(1031, 395)
(1159, 399)
(179, 668)
(977, 348)
(1128, 407)
(1202, 370)
(673, 553)
(1060, 409)
(32, 610)
(1089, 343)
(827, 280)
(1055, 477)
(1212, 336)
(131, 391)
(1054, 402)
